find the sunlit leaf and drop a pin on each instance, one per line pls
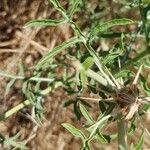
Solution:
(110, 57)
(58, 6)
(74, 130)
(123, 73)
(103, 138)
(104, 26)
(46, 58)
(13, 142)
(9, 85)
(98, 125)
(83, 77)
(75, 4)
(86, 114)
(88, 63)
(44, 22)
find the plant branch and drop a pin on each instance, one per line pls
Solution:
(122, 137)
(8, 75)
(23, 104)
(14, 110)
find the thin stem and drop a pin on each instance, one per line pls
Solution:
(97, 99)
(23, 104)
(122, 137)
(84, 39)
(8, 75)
(90, 73)
(14, 110)
(97, 62)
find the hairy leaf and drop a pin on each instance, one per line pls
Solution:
(13, 142)
(58, 6)
(56, 51)
(74, 130)
(44, 22)
(98, 125)
(74, 7)
(86, 114)
(88, 63)
(104, 26)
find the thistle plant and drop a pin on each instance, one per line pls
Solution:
(94, 69)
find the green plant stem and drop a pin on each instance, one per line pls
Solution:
(122, 137)
(147, 39)
(84, 39)
(91, 51)
(97, 62)
(90, 73)
(8, 75)
(14, 110)
(25, 103)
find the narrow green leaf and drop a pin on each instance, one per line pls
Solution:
(68, 103)
(76, 110)
(104, 26)
(97, 77)
(132, 127)
(139, 144)
(102, 106)
(123, 73)
(88, 63)
(58, 6)
(13, 142)
(83, 77)
(85, 113)
(110, 58)
(97, 61)
(112, 35)
(109, 109)
(97, 126)
(20, 145)
(9, 85)
(86, 145)
(84, 103)
(74, 7)
(74, 131)
(56, 50)
(44, 22)
(103, 138)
